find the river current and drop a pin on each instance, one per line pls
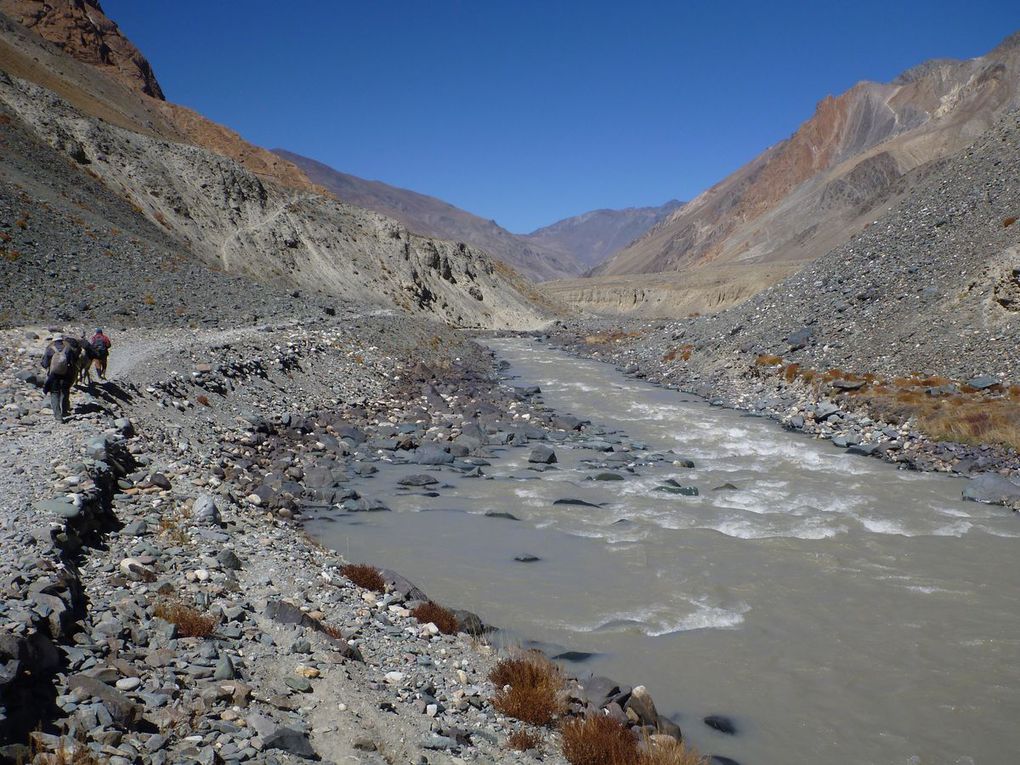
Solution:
(837, 609)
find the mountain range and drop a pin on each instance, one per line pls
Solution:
(564, 249)
(855, 157)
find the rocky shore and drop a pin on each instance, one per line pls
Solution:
(161, 603)
(830, 409)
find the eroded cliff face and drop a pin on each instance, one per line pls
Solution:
(81, 29)
(218, 211)
(814, 190)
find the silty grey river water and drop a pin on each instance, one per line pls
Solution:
(840, 610)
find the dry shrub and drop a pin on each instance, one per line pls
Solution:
(366, 576)
(1014, 392)
(1007, 222)
(683, 353)
(161, 219)
(768, 360)
(71, 751)
(202, 399)
(790, 372)
(190, 621)
(669, 752)
(976, 421)
(523, 740)
(332, 631)
(148, 299)
(598, 741)
(834, 374)
(808, 375)
(443, 618)
(602, 338)
(528, 688)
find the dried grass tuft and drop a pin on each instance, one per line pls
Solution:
(598, 741)
(529, 688)
(523, 740)
(443, 618)
(190, 621)
(365, 575)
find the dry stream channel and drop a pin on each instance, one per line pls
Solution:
(837, 609)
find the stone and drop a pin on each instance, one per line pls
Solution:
(982, 382)
(228, 560)
(499, 514)
(526, 558)
(65, 508)
(160, 481)
(722, 724)
(204, 512)
(418, 480)
(542, 455)
(848, 384)
(641, 706)
(577, 502)
(799, 338)
(432, 455)
(128, 683)
(991, 489)
(298, 683)
(824, 411)
(608, 477)
(124, 712)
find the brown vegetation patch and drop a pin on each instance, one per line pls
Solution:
(365, 575)
(1006, 223)
(190, 621)
(683, 353)
(598, 741)
(443, 618)
(202, 399)
(523, 740)
(528, 688)
(768, 360)
(603, 338)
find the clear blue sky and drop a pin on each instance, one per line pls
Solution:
(528, 112)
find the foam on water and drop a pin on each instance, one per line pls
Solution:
(656, 621)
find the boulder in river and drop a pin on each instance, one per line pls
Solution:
(527, 558)
(992, 489)
(572, 501)
(418, 479)
(500, 514)
(608, 477)
(542, 455)
(722, 724)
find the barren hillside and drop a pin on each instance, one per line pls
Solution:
(857, 155)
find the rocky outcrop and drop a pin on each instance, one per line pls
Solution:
(860, 151)
(83, 31)
(228, 217)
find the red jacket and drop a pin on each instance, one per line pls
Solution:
(101, 338)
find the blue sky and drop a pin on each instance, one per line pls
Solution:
(528, 112)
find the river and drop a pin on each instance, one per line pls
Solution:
(837, 609)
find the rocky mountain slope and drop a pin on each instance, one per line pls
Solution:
(433, 217)
(71, 48)
(855, 157)
(933, 286)
(594, 236)
(81, 189)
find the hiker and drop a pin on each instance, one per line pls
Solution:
(101, 347)
(63, 363)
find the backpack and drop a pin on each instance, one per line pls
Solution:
(61, 362)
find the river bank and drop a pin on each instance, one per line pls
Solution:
(834, 405)
(161, 603)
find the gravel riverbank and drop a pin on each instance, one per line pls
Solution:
(161, 601)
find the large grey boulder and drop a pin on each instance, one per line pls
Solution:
(204, 512)
(432, 455)
(992, 489)
(542, 455)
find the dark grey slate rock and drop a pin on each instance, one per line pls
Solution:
(722, 724)
(499, 514)
(983, 382)
(542, 455)
(991, 489)
(432, 455)
(419, 479)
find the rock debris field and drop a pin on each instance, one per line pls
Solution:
(161, 603)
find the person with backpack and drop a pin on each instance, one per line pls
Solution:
(101, 347)
(62, 361)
